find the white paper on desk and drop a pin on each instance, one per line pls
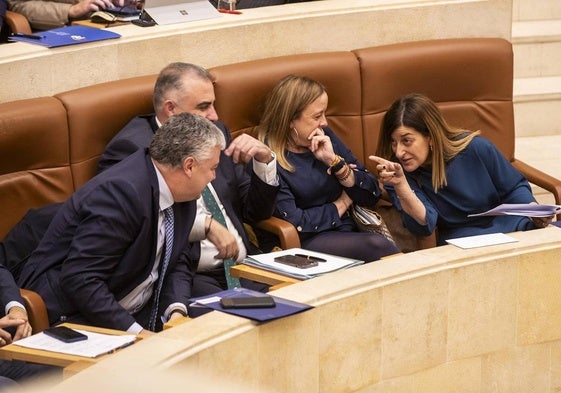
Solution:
(521, 209)
(481, 240)
(97, 344)
(332, 263)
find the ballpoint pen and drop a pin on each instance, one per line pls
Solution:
(31, 36)
(311, 258)
(225, 11)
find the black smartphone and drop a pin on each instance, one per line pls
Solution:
(248, 302)
(143, 22)
(297, 261)
(65, 334)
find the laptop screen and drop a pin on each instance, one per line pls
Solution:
(165, 12)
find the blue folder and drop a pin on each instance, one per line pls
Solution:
(283, 307)
(68, 35)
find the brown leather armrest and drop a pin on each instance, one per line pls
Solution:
(17, 22)
(284, 230)
(541, 179)
(36, 310)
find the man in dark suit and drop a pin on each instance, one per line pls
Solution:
(104, 259)
(242, 196)
(14, 325)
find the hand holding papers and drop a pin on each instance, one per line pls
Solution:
(522, 209)
(329, 263)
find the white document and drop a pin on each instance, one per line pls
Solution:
(481, 240)
(521, 209)
(97, 343)
(329, 264)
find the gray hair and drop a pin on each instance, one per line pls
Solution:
(185, 135)
(170, 79)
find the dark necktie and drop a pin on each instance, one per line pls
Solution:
(168, 239)
(214, 209)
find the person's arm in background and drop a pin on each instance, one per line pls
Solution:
(45, 15)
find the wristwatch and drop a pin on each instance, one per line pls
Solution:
(338, 166)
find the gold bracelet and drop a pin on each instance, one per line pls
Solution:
(335, 160)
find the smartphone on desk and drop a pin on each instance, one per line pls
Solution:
(248, 302)
(65, 334)
(298, 261)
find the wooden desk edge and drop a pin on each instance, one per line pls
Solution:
(261, 275)
(15, 352)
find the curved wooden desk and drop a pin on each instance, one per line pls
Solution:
(442, 319)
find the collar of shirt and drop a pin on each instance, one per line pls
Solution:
(166, 198)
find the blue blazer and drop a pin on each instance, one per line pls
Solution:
(245, 197)
(102, 243)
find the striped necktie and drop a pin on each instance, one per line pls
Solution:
(168, 238)
(214, 209)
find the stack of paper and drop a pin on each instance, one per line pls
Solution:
(521, 209)
(97, 343)
(329, 263)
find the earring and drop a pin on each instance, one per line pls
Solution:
(296, 131)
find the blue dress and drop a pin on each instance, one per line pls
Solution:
(479, 178)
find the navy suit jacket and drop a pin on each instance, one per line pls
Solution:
(9, 291)
(244, 196)
(101, 244)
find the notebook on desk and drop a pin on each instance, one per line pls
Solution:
(67, 35)
(165, 12)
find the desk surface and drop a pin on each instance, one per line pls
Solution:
(15, 352)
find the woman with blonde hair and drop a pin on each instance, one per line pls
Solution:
(438, 175)
(320, 178)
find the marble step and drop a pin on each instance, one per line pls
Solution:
(537, 106)
(537, 48)
(535, 9)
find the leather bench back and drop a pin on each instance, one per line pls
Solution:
(96, 113)
(34, 168)
(241, 90)
(469, 79)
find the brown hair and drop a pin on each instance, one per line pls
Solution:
(418, 112)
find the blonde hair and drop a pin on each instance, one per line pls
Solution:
(285, 103)
(418, 112)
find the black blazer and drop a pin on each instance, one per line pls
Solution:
(102, 243)
(245, 197)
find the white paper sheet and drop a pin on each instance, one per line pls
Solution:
(481, 240)
(97, 344)
(521, 209)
